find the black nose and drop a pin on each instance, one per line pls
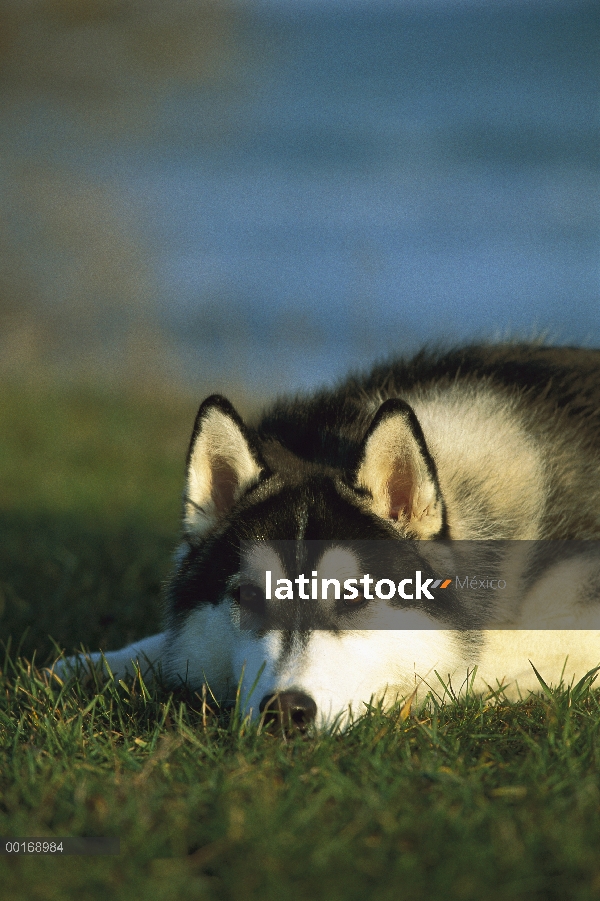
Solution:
(290, 709)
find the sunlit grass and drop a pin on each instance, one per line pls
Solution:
(483, 796)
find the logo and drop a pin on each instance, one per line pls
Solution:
(385, 589)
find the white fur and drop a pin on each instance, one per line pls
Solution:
(558, 655)
(480, 437)
(148, 655)
(344, 672)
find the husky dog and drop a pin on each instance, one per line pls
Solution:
(496, 445)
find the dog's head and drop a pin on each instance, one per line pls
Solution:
(250, 505)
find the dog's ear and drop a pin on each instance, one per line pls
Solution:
(398, 471)
(222, 463)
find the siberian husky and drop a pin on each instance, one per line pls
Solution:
(472, 464)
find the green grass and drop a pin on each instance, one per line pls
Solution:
(481, 799)
(90, 489)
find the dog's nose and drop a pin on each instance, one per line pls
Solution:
(290, 709)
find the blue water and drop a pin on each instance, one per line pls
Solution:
(385, 178)
(376, 177)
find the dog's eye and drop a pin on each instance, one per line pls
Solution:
(355, 603)
(251, 597)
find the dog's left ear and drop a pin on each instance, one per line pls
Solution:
(222, 463)
(398, 471)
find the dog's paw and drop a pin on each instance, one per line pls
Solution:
(144, 657)
(84, 668)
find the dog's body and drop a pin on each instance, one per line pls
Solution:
(495, 443)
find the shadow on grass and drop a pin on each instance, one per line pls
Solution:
(67, 578)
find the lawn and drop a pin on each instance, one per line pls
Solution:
(480, 799)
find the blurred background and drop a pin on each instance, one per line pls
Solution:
(256, 196)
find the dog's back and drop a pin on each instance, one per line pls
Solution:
(514, 431)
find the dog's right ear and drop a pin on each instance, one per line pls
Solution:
(222, 463)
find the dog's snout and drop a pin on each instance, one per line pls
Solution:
(290, 709)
